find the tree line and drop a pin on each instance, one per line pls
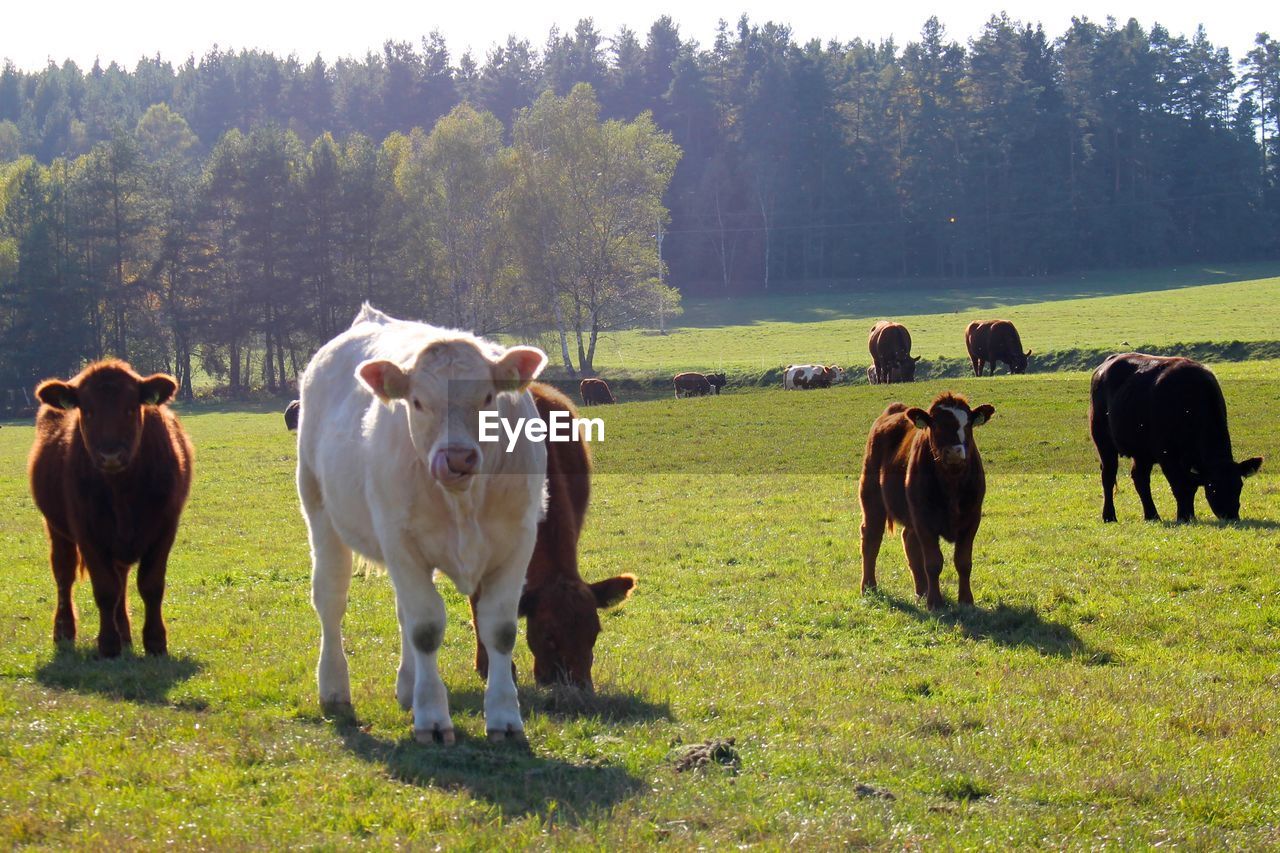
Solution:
(227, 212)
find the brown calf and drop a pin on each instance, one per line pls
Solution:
(922, 471)
(890, 346)
(989, 341)
(559, 606)
(110, 470)
(595, 392)
(692, 384)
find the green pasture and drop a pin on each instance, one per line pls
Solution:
(1115, 686)
(1110, 312)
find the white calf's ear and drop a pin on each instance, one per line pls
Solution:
(385, 379)
(982, 414)
(518, 367)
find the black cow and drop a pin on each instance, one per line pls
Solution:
(1168, 411)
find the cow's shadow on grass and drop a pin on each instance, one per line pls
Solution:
(130, 677)
(1012, 626)
(513, 778)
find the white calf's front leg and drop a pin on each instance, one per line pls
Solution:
(422, 619)
(404, 675)
(330, 582)
(496, 607)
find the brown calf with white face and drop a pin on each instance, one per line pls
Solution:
(110, 470)
(922, 471)
(558, 605)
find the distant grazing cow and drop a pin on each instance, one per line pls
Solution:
(922, 471)
(692, 384)
(990, 341)
(110, 470)
(1168, 411)
(560, 608)
(291, 416)
(390, 465)
(890, 346)
(595, 392)
(716, 381)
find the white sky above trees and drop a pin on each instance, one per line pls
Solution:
(82, 30)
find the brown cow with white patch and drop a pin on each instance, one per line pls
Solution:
(922, 471)
(110, 470)
(890, 346)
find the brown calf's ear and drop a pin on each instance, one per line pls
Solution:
(58, 394)
(385, 379)
(612, 591)
(158, 389)
(1249, 467)
(982, 414)
(518, 367)
(919, 417)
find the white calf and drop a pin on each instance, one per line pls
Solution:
(390, 466)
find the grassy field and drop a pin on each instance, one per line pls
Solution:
(1115, 686)
(1112, 311)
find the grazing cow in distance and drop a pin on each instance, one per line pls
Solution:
(1166, 411)
(890, 346)
(692, 384)
(990, 341)
(559, 606)
(110, 470)
(390, 465)
(922, 471)
(716, 381)
(291, 415)
(595, 392)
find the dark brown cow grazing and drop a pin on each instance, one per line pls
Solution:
(291, 415)
(990, 341)
(110, 469)
(595, 392)
(1168, 411)
(716, 381)
(559, 606)
(692, 384)
(890, 346)
(922, 471)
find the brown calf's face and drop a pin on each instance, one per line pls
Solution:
(1020, 362)
(562, 626)
(950, 424)
(110, 400)
(907, 369)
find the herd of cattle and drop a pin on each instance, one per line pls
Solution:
(988, 342)
(390, 467)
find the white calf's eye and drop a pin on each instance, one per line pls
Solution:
(417, 404)
(488, 398)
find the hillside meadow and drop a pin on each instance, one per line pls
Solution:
(1108, 312)
(1115, 686)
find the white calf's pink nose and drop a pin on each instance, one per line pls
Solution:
(451, 465)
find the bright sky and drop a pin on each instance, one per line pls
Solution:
(35, 32)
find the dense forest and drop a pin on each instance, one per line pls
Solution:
(220, 217)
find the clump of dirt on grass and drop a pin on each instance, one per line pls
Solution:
(720, 751)
(866, 791)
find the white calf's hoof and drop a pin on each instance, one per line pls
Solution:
(434, 736)
(510, 735)
(340, 708)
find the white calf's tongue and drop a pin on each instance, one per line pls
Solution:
(440, 467)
